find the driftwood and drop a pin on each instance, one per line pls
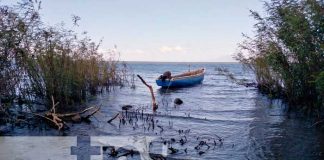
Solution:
(52, 116)
(57, 119)
(58, 124)
(154, 104)
(75, 113)
(91, 114)
(109, 121)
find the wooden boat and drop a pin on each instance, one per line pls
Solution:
(182, 80)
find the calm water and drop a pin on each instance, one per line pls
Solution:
(251, 126)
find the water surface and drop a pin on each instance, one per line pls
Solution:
(250, 125)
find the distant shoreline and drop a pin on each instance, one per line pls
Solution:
(178, 62)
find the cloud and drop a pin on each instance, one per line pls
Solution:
(139, 51)
(166, 49)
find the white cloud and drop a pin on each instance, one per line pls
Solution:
(139, 51)
(166, 49)
(134, 51)
(178, 48)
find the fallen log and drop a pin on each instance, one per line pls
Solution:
(154, 104)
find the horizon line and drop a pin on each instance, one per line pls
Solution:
(180, 62)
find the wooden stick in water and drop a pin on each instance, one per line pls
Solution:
(155, 106)
(113, 118)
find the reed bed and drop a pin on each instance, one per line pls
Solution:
(286, 53)
(38, 62)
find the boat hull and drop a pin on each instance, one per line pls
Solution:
(182, 82)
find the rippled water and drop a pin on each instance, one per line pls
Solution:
(250, 125)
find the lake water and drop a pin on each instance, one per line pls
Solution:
(249, 125)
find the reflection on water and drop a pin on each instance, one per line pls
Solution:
(279, 135)
(250, 125)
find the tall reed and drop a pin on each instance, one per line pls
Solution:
(287, 53)
(38, 61)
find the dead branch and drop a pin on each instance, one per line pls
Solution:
(91, 114)
(109, 121)
(154, 104)
(52, 114)
(57, 119)
(54, 105)
(58, 124)
(75, 113)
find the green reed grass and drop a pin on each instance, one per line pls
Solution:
(287, 53)
(38, 61)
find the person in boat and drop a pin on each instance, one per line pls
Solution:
(181, 80)
(165, 75)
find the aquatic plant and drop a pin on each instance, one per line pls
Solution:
(319, 83)
(286, 54)
(136, 118)
(230, 76)
(38, 62)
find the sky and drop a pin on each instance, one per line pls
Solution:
(159, 30)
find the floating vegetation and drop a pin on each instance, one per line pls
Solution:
(180, 141)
